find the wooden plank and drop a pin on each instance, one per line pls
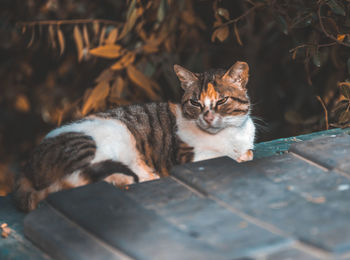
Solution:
(63, 239)
(288, 253)
(296, 197)
(16, 246)
(111, 216)
(331, 152)
(282, 145)
(204, 219)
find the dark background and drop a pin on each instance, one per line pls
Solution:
(298, 53)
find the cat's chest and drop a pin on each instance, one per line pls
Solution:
(230, 142)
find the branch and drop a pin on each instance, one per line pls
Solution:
(325, 111)
(313, 45)
(241, 16)
(324, 29)
(74, 21)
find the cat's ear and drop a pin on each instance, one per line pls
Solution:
(238, 74)
(186, 77)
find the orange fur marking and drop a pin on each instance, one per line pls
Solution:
(210, 93)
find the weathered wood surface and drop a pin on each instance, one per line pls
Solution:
(295, 205)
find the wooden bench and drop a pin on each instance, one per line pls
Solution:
(291, 202)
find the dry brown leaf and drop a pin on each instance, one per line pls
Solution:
(116, 89)
(78, 42)
(140, 31)
(30, 43)
(341, 37)
(105, 75)
(96, 27)
(102, 36)
(60, 40)
(237, 34)
(150, 48)
(112, 37)
(86, 37)
(96, 96)
(224, 13)
(188, 17)
(220, 33)
(142, 81)
(136, 13)
(124, 61)
(108, 51)
(52, 36)
(22, 103)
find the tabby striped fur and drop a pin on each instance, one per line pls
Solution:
(142, 142)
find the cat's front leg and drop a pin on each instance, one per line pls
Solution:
(247, 156)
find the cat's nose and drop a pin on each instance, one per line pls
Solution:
(208, 117)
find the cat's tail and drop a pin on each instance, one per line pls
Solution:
(25, 195)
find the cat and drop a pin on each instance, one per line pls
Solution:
(137, 143)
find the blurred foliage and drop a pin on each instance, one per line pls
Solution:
(64, 59)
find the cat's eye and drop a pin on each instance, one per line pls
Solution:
(195, 103)
(222, 101)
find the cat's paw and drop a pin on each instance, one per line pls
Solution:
(119, 179)
(247, 156)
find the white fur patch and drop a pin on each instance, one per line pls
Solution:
(207, 102)
(114, 142)
(75, 179)
(232, 141)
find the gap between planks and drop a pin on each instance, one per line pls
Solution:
(309, 249)
(322, 167)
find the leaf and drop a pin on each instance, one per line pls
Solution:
(130, 22)
(86, 37)
(112, 37)
(220, 33)
(105, 75)
(283, 24)
(22, 103)
(52, 36)
(188, 17)
(30, 43)
(131, 9)
(336, 7)
(345, 89)
(116, 89)
(163, 6)
(102, 35)
(341, 37)
(124, 61)
(150, 48)
(78, 42)
(96, 96)
(142, 81)
(316, 59)
(237, 34)
(60, 40)
(344, 117)
(107, 51)
(224, 13)
(96, 27)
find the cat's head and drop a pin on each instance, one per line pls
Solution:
(215, 99)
